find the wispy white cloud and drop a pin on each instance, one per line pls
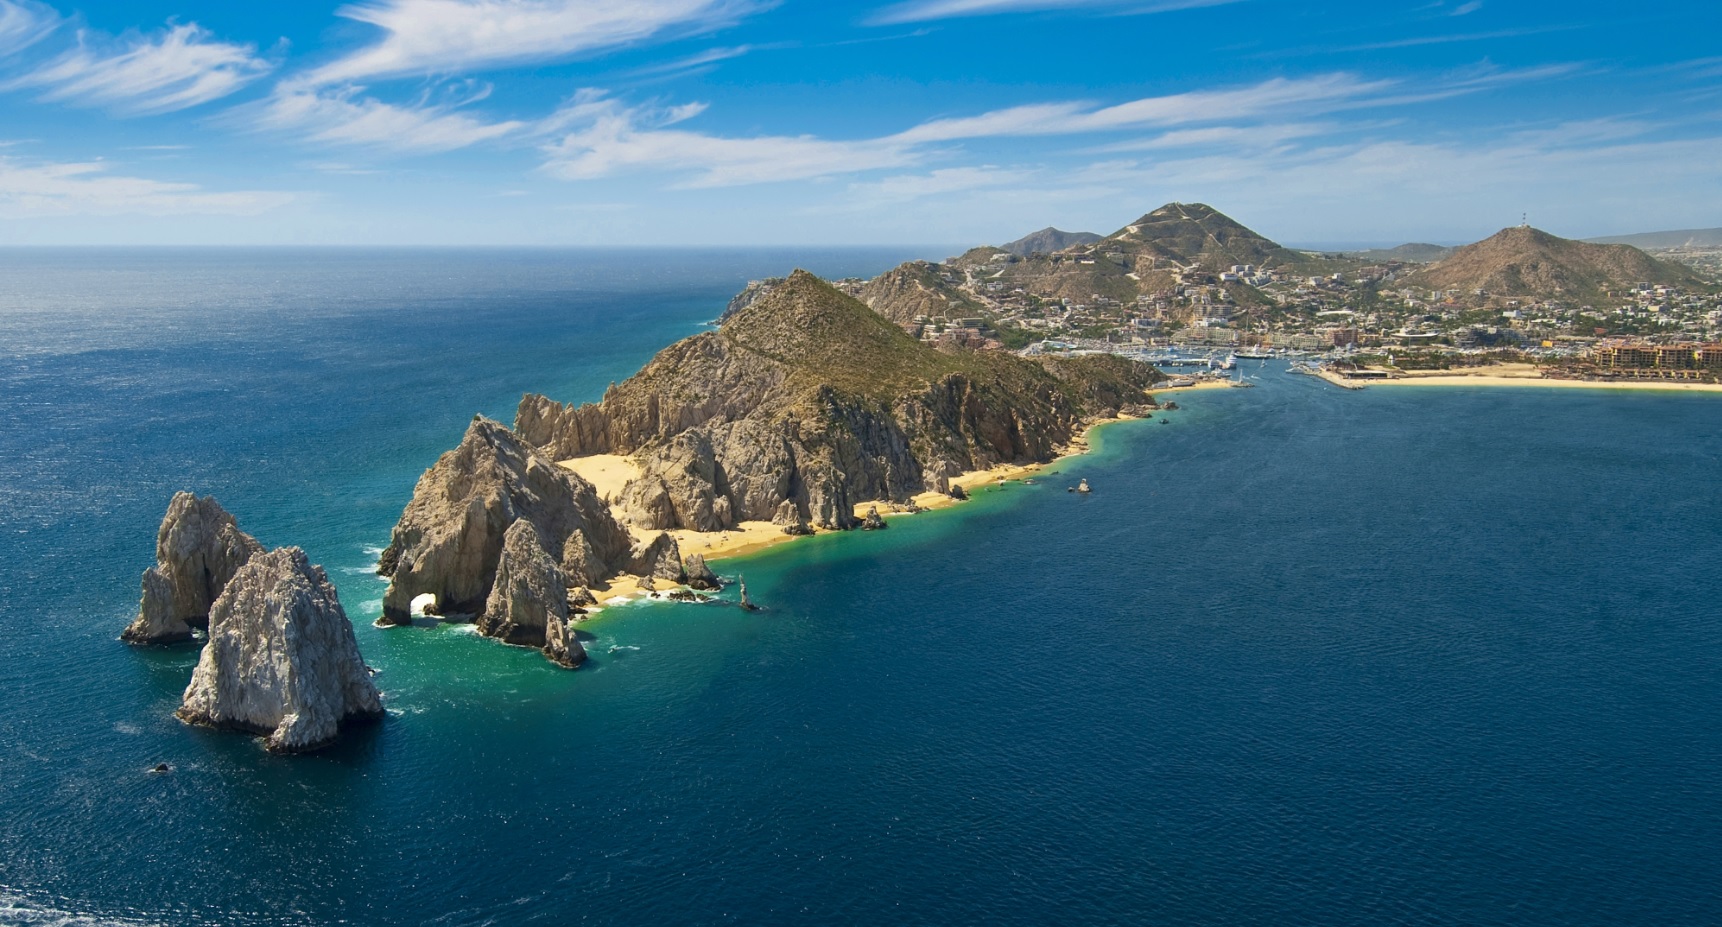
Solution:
(180, 67)
(24, 23)
(1445, 188)
(44, 188)
(345, 116)
(904, 187)
(607, 137)
(1252, 137)
(460, 36)
(1466, 9)
(915, 11)
(598, 136)
(1279, 94)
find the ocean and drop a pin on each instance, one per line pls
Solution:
(1412, 656)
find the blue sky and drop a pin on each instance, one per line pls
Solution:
(598, 122)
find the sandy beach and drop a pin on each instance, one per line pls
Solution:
(1531, 375)
(609, 473)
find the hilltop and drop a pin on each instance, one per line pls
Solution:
(1412, 253)
(806, 401)
(1196, 235)
(1532, 263)
(1048, 240)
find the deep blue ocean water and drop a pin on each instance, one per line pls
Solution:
(1403, 656)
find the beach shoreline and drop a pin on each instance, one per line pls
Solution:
(754, 536)
(1530, 375)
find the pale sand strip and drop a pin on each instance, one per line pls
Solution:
(753, 536)
(1531, 375)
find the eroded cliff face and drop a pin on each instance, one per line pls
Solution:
(281, 659)
(198, 549)
(806, 402)
(449, 541)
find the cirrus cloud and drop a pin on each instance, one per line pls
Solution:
(47, 188)
(459, 36)
(178, 68)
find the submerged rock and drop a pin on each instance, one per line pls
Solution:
(198, 548)
(449, 540)
(699, 575)
(281, 660)
(872, 522)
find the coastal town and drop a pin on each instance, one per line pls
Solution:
(1188, 279)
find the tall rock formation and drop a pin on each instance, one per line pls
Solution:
(449, 541)
(198, 548)
(806, 401)
(528, 604)
(281, 659)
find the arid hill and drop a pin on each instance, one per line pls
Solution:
(1048, 240)
(1531, 263)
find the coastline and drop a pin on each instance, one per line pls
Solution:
(754, 536)
(1530, 375)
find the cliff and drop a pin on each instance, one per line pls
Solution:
(281, 659)
(807, 401)
(198, 548)
(449, 541)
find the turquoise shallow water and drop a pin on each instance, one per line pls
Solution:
(1305, 657)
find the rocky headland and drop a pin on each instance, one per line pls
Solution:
(281, 659)
(806, 402)
(498, 534)
(198, 549)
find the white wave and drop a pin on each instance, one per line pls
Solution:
(616, 647)
(373, 551)
(125, 728)
(19, 912)
(370, 606)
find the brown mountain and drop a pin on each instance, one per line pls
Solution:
(1048, 240)
(806, 402)
(1529, 262)
(1195, 234)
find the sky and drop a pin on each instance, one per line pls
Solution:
(806, 122)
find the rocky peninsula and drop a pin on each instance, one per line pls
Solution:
(806, 403)
(801, 406)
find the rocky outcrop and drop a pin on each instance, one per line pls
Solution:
(561, 646)
(789, 515)
(681, 488)
(659, 558)
(807, 401)
(530, 593)
(755, 291)
(198, 549)
(281, 659)
(699, 575)
(450, 539)
(873, 521)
